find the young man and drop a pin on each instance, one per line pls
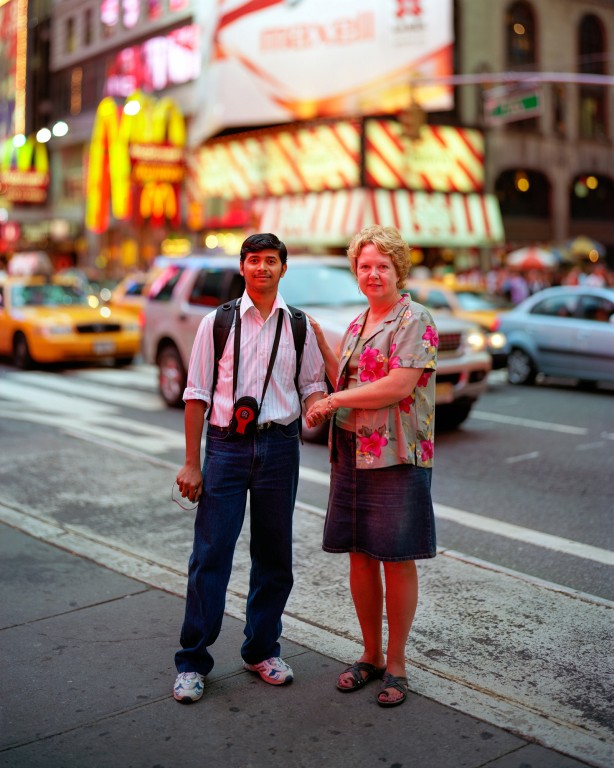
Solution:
(266, 464)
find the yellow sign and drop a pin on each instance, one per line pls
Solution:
(136, 162)
(24, 171)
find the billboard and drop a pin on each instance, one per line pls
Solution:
(441, 159)
(136, 163)
(156, 64)
(278, 61)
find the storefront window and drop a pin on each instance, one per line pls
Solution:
(109, 16)
(592, 54)
(155, 9)
(523, 193)
(520, 34)
(521, 49)
(130, 11)
(88, 27)
(70, 43)
(592, 197)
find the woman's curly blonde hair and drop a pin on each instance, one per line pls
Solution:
(388, 241)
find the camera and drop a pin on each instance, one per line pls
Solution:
(244, 417)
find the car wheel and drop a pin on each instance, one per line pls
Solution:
(171, 377)
(452, 416)
(520, 368)
(21, 352)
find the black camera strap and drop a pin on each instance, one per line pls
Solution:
(237, 352)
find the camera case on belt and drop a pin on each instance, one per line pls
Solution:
(245, 416)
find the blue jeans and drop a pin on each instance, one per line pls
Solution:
(267, 466)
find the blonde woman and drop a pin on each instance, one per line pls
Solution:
(382, 410)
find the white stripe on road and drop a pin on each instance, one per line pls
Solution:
(522, 457)
(526, 535)
(496, 527)
(49, 385)
(518, 421)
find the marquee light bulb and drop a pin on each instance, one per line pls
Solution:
(132, 108)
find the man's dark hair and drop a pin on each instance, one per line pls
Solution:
(262, 242)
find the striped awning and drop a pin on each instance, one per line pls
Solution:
(424, 218)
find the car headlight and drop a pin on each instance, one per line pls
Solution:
(497, 340)
(476, 341)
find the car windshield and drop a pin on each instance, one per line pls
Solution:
(47, 295)
(321, 285)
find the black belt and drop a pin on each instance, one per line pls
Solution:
(268, 425)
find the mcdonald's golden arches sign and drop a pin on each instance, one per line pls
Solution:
(136, 163)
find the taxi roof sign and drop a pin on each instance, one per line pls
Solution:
(29, 264)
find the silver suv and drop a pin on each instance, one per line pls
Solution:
(184, 290)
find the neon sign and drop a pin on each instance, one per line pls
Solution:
(136, 163)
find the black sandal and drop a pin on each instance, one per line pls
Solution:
(373, 673)
(392, 681)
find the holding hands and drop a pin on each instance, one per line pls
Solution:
(320, 411)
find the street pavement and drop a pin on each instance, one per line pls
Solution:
(87, 651)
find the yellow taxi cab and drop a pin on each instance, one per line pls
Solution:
(44, 319)
(469, 302)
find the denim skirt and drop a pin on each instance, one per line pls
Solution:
(386, 513)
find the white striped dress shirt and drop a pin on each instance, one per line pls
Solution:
(281, 402)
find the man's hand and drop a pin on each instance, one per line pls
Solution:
(190, 482)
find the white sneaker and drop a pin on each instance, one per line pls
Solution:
(188, 687)
(274, 670)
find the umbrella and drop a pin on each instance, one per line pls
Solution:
(585, 246)
(531, 257)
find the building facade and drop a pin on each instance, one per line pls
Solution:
(478, 126)
(553, 172)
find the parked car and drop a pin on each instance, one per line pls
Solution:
(188, 288)
(128, 293)
(566, 331)
(47, 320)
(469, 302)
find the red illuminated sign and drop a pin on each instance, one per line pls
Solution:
(156, 64)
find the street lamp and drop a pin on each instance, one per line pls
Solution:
(60, 129)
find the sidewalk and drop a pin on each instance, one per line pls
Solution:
(87, 671)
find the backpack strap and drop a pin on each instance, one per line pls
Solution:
(298, 322)
(222, 324)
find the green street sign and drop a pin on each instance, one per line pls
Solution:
(511, 106)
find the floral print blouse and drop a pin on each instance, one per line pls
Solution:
(401, 433)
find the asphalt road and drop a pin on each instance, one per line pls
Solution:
(525, 483)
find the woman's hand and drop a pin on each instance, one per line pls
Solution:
(319, 412)
(331, 360)
(317, 330)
